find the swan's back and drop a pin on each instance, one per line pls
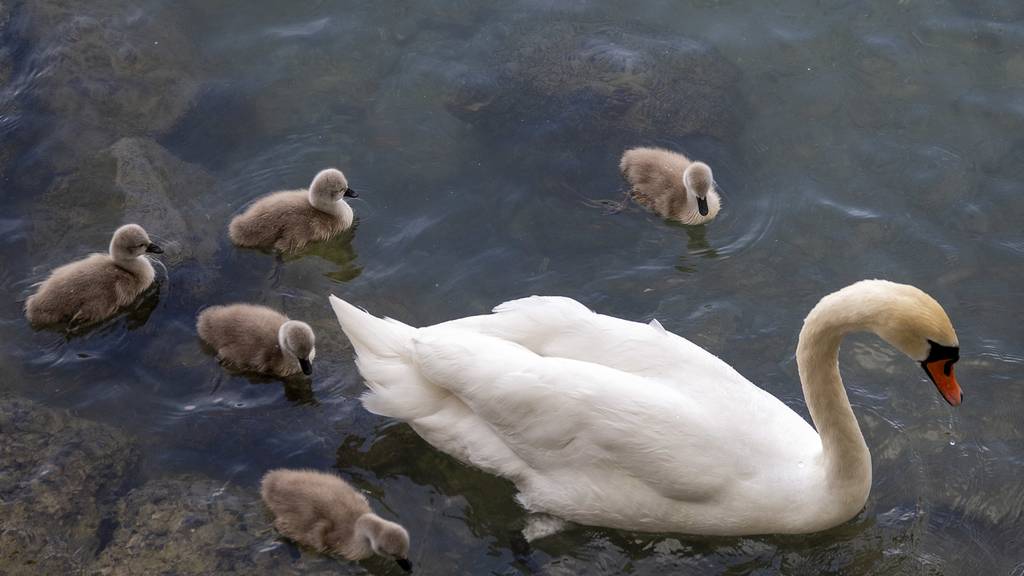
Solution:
(285, 221)
(88, 290)
(245, 337)
(313, 508)
(655, 177)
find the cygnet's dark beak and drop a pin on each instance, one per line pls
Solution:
(154, 249)
(404, 564)
(702, 206)
(306, 365)
(350, 193)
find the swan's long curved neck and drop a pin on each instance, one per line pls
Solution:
(847, 460)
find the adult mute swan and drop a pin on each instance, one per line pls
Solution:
(614, 423)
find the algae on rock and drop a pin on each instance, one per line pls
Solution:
(192, 525)
(60, 477)
(587, 78)
(107, 69)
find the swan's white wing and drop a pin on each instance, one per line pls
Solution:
(397, 388)
(560, 327)
(597, 424)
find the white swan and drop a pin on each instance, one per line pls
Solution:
(614, 423)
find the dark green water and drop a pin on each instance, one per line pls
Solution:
(854, 140)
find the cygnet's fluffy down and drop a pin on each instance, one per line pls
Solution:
(288, 221)
(671, 184)
(254, 338)
(96, 287)
(323, 512)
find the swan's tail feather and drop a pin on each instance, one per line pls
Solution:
(384, 357)
(370, 335)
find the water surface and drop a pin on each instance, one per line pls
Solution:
(856, 140)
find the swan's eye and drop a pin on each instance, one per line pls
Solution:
(938, 353)
(948, 368)
(939, 367)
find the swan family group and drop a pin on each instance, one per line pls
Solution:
(596, 420)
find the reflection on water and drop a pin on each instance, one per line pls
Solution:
(850, 141)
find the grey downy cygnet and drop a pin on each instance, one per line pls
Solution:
(255, 338)
(96, 287)
(325, 513)
(287, 221)
(671, 184)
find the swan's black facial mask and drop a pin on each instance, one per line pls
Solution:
(939, 367)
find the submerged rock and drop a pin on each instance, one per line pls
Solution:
(297, 80)
(408, 118)
(194, 525)
(60, 477)
(106, 69)
(135, 180)
(8, 105)
(588, 79)
(993, 10)
(168, 196)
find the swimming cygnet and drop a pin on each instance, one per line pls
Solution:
(289, 220)
(95, 287)
(323, 512)
(671, 184)
(258, 339)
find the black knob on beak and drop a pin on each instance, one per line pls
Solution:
(404, 564)
(702, 206)
(154, 249)
(350, 193)
(306, 365)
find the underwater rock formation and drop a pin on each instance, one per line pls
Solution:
(106, 69)
(60, 478)
(134, 180)
(586, 79)
(192, 525)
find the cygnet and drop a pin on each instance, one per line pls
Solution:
(325, 513)
(255, 338)
(671, 184)
(96, 287)
(287, 221)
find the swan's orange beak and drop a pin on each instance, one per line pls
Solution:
(941, 373)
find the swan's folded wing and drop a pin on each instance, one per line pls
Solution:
(559, 327)
(399, 389)
(559, 415)
(459, 432)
